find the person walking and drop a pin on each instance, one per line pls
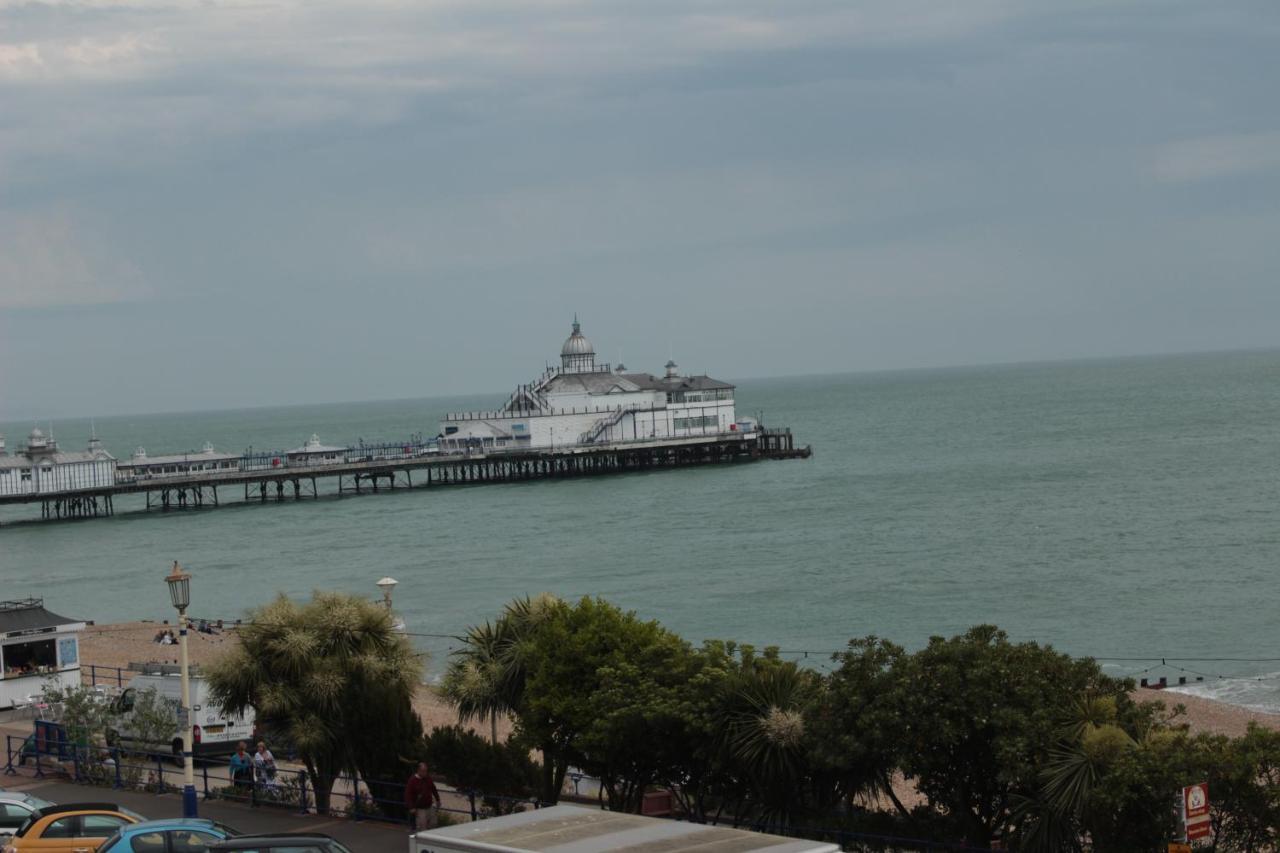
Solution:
(242, 768)
(264, 767)
(422, 799)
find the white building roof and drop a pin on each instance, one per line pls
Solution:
(207, 454)
(60, 457)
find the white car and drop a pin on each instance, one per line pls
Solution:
(15, 808)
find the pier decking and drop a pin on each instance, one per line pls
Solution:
(278, 483)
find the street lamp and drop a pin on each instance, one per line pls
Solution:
(387, 585)
(180, 592)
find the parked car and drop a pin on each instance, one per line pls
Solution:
(293, 842)
(15, 808)
(177, 835)
(70, 828)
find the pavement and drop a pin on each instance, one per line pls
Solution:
(360, 836)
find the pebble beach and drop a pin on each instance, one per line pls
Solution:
(119, 644)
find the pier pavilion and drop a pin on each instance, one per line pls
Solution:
(583, 403)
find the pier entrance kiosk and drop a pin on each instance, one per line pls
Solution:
(36, 647)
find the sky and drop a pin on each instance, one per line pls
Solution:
(225, 203)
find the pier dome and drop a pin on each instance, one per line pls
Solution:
(577, 355)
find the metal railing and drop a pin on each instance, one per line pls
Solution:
(287, 788)
(290, 788)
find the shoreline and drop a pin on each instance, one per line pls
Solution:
(119, 644)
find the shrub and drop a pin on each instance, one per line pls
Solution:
(501, 772)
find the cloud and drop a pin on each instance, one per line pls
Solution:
(1211, 157)
(47, 260)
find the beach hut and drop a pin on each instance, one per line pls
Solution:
(36, 647)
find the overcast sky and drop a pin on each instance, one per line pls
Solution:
(219, 203)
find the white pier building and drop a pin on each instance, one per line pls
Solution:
(142, 466)
(44, 469)
(582, 403)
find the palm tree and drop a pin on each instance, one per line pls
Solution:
(327, 675)
(764, 734)
(478, 678)
(485, 679)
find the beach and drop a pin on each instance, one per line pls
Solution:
(120, 644)
(104, 648)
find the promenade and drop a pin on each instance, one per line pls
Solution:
(360, 836)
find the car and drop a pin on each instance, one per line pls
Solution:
(177, 835)
(15, 808)
(70, 828)
(284, 842)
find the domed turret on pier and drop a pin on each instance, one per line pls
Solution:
(577, 355)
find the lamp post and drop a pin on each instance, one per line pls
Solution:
(180, 591)
(387, 585)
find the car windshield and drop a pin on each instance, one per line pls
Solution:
(22, 830)
(229, 832)
(35, 802)
(137, 818)
(337, 847)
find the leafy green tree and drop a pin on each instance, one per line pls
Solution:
(503, 772)
(1244, 788)
(979, 716)
(328, 675)
(83, 712)
(599, 690)
(857, 732)
(154, 719)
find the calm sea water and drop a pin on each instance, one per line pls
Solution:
(1124, 508)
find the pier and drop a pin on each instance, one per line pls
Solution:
(270, 478)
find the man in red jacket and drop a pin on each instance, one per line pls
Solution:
(421, 798)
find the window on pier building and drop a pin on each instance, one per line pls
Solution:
(697, 423)
(35, 658)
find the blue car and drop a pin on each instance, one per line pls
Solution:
(178, 835)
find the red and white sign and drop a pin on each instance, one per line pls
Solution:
(1195, 810)
(1195, 802)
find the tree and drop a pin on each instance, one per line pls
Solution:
(1244, 788)
(979, 716)
(329, 675)
(83, 712)
(856, 731)
(767, 740)
(503, 772)
(598, 687)
(485, 678)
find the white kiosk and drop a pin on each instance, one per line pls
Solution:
(36, 647)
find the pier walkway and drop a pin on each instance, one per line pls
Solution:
(275, 480)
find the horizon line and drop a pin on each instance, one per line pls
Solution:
(866, 372)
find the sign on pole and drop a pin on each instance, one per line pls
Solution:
(1195, 810)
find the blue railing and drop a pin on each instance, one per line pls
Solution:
(291, 789)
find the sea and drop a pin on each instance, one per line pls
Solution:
(1124, 509)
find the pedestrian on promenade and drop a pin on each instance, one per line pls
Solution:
(264, 766)
(422, 799)
(241, 768)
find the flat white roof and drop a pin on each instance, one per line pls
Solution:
(573, 829)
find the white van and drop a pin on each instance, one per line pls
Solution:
(574, 829)
(213, 731)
